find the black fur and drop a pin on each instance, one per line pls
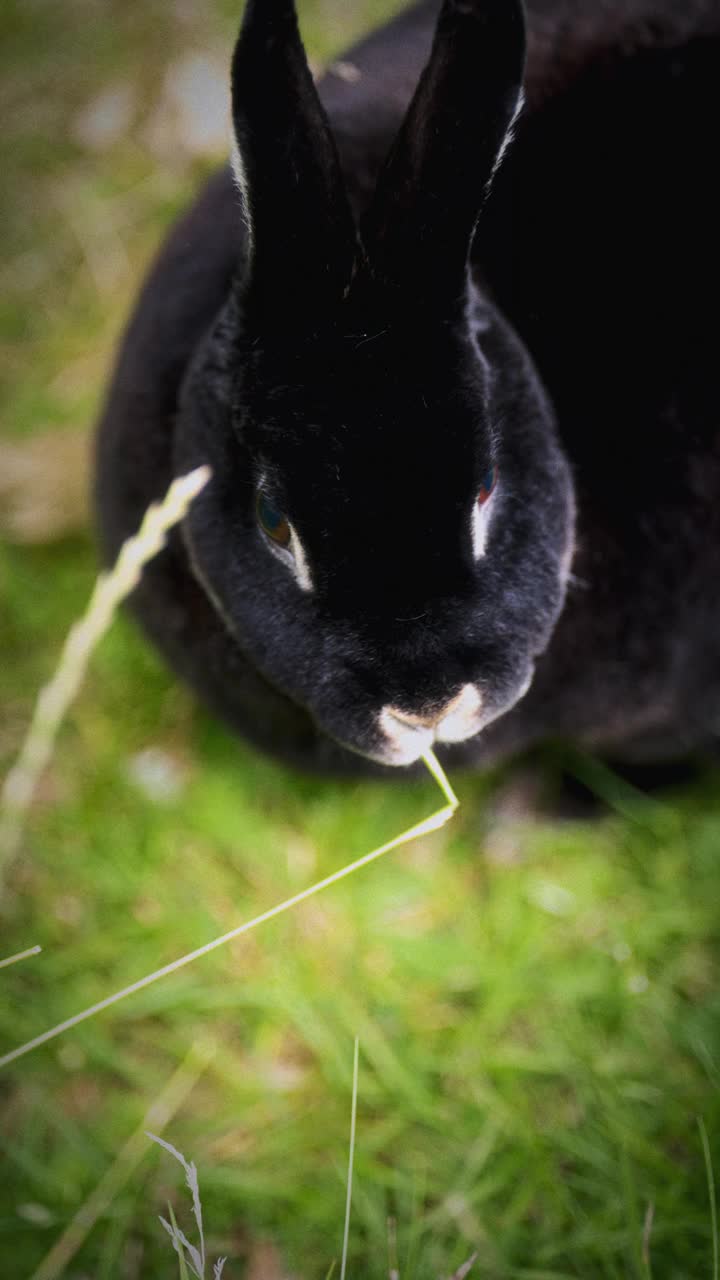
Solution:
(368, 381)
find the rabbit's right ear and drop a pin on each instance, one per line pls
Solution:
(301, 235)
(419, 227)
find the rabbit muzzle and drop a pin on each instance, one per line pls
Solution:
(408, 734)
(405, 736)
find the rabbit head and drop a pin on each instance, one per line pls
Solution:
(388, 530)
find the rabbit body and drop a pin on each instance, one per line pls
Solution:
(363, 391)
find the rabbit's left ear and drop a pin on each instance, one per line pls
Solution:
(419, 227)
(302, 238)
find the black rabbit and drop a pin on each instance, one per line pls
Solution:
(462, 415)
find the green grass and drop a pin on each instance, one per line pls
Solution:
(537, 1002)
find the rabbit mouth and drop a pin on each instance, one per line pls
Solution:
(408, 735)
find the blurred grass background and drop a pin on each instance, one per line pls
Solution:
(537, 998)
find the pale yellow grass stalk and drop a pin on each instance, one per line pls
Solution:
(112, 1182)
(433, 823)
(20, 955)
(53, 701)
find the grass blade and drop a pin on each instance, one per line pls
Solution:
(175, 1235)
(433, 765)
(711, 1192)
(351, 1159)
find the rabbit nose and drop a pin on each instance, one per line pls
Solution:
(431, 719)
(408, 734)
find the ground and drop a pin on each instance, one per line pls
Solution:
(536, 998)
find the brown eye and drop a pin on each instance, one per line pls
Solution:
(489, 481)
(272, 522)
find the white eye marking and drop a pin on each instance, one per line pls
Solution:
(294, 558)
(300, 566)
(292, 555)
(480, 526)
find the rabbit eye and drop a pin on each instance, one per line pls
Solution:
(272, 522)
(489, 481)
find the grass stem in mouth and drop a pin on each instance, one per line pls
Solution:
(433, 823)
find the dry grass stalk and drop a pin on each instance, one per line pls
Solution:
(53, 701)
(188, 1254)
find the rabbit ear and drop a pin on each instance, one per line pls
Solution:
(421, 222)
(301, 235)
